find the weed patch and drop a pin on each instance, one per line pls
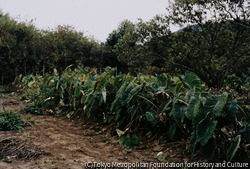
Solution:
(9, 120)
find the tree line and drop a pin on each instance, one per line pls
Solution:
(25, 49)
(213, 43)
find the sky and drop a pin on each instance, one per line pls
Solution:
(95, 18)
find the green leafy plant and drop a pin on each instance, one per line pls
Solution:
(3, 96)
(169, 105)
(127, 138)
(9, 120)
(38, 108)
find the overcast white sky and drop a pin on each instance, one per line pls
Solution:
(93, 17)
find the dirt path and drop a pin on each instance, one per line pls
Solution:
(71, 144)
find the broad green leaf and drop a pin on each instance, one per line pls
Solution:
(191, 79)
(91, 82)
(160, 89)
(104, 94)
(176, 98)
(208, 149)
(130, 85)
(193, 107)
(233, 148)
(192, 143)
(232, 107)
(82, 70)
(215, 104)
(61, 94)
(190, 94)
(117, 114)
(77, 92)
(178, 111)
(117, 80)
(112, 71)
(31, 83)
(114, 103)
(151, 117)
(132, 110)
(123, 99)
(166, 105)
(205, 130)
(129, 140)
(57, 82)
(47, 78)
(123, 87)
(101, 80)
(133, 92)
(52, 91)
(161, 80)
(199, 116)
(88, 96)
(245, 131)
(171, 130)
(178, 86)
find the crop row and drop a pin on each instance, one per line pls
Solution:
(169, 105)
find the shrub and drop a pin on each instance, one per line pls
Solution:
(9, 120)
(3, 96)
(38, 107)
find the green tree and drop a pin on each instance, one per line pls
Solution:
(216, 42)
(61, 47)
(17, 46)
(25, 49)
(111, 53)
(213, 44)
(145, 44)
(65, 46)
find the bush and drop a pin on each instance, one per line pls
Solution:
(9, 120)
(38, 107)
(2, 96)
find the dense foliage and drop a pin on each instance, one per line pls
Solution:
(211, 48)
(9, 120)
(172, 106)
(214, 44)
(211, 51)
(24, 49)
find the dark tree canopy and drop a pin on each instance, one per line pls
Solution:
(24, 49)
(214, 42)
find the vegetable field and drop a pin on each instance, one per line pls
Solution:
(168, 107)
(158, 94)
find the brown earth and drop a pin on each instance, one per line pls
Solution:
(71, 144)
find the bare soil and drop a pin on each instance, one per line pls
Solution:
(71, 144)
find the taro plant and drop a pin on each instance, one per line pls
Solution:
(211, 116)
(214, 120)
(169, 105)
(205, 119)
